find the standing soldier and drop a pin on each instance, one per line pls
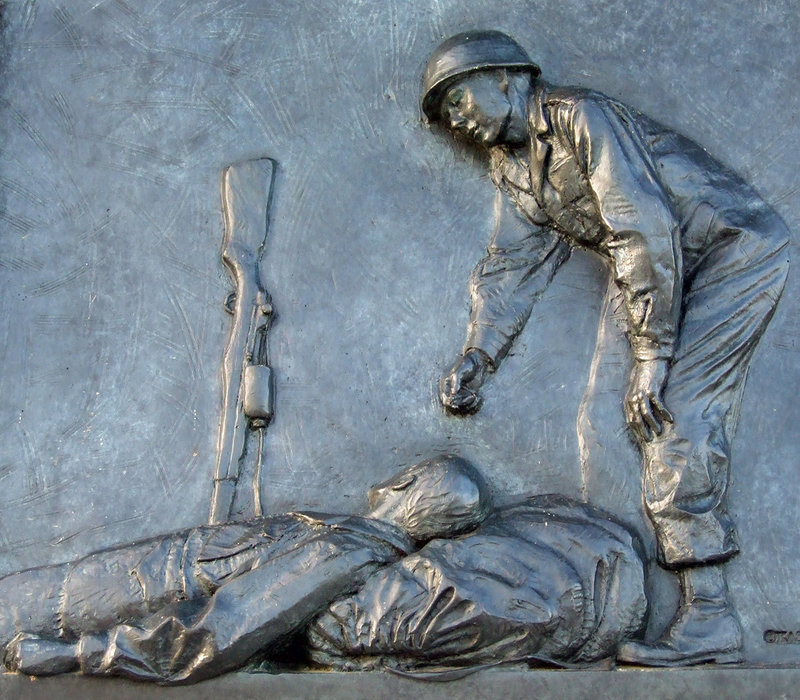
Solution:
(700, 260)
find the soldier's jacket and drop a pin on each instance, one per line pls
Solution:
(598, 174)
(546, 579)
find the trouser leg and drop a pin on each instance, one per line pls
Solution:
(61, 601)
(30, 601)
(727, 307)
(685, 481)
(122, 584)
(93, 593)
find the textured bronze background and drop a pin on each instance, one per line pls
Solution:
(115, 122)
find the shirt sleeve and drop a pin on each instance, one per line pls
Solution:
(193, 640)
(520, 263)
(642, 238)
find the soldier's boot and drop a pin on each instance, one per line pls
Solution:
(35, 656)
(704, 630)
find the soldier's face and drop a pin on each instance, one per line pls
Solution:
(478, 107)
(392, 493)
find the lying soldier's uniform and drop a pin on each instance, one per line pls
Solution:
(197, 603)
(546, 580)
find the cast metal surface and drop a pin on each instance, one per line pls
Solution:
(698, 261)
(117, 121)
(546, 580)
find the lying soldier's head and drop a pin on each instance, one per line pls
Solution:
(440, 497)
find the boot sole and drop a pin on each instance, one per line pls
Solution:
(674, 658)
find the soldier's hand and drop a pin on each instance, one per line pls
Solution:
(458, 388)
(645, 410)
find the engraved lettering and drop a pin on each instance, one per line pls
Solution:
(782, 637)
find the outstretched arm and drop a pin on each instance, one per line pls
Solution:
(520, 263)
(642, 242)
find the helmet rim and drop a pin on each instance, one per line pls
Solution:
(467, 53)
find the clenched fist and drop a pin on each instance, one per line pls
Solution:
(458, 388)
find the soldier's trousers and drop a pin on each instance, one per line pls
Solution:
(95, 592)
(730, 298)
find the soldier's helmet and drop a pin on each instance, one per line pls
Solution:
(468, 53)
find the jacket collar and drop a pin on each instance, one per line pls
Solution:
(538, 121)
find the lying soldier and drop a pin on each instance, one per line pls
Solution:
(195, 604)
(544, 580)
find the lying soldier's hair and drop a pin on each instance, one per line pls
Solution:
(444, 496)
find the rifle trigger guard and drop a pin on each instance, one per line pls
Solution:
(230, 303)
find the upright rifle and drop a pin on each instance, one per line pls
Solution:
(246, 375)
